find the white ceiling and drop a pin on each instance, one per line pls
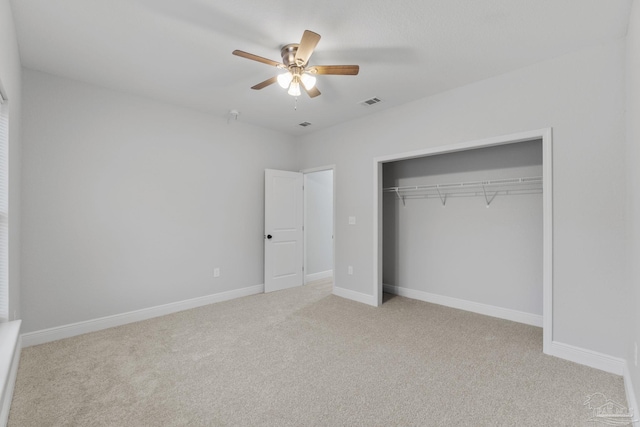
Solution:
(179, 51)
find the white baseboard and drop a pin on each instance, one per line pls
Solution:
(475, 307)
(71, 330)
(632, 402)
(9, 359)
(603, 362)
(355, 296)
(593, 359)
(590, 358)
(318, 276)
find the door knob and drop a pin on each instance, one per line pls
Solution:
(269, 236)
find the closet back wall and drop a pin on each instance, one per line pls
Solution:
(465, 250)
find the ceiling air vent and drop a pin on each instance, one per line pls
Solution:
(370, 101)
(305, 124)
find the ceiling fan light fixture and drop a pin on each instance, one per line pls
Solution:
(308, 81)
(285, 79)
(295, 64)
(294, 89)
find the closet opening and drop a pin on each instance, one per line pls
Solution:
(469, 226)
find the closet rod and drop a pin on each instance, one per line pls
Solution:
(534, 181)
(488, 189)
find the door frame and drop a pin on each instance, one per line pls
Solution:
(333, 220)
(545, 135)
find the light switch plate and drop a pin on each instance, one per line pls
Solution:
(352, 220)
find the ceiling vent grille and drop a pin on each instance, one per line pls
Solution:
(305, 124)
(371, 101)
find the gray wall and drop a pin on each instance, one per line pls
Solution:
(11, 81)
(581, 96)
(129, 203)
(319, 221)
(463, 249)
(633, 191)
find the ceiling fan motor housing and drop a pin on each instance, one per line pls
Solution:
(288, 53)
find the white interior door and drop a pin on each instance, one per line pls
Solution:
(283, 239)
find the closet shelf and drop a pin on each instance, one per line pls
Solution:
(488, 189)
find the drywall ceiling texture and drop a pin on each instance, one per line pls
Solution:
(465, 249)
(633, 191)
(10, 79)
(129, 204)
(581, 97)
(180, 52)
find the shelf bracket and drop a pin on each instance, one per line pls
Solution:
(443, 199)
(399, 196)
(486, 198)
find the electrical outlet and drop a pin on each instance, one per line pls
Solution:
(216, 272)
(635, 353)
(352, 220)
(350, 270)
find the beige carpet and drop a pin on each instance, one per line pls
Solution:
(304, 357)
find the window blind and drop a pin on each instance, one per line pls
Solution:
(4, 210)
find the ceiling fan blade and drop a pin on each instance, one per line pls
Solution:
(306, 47)
(257, 58)
(341, 70)
(313, 92)
(265, 83)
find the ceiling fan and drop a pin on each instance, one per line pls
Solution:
(295, 60)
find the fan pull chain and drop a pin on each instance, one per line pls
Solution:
(295, 105)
